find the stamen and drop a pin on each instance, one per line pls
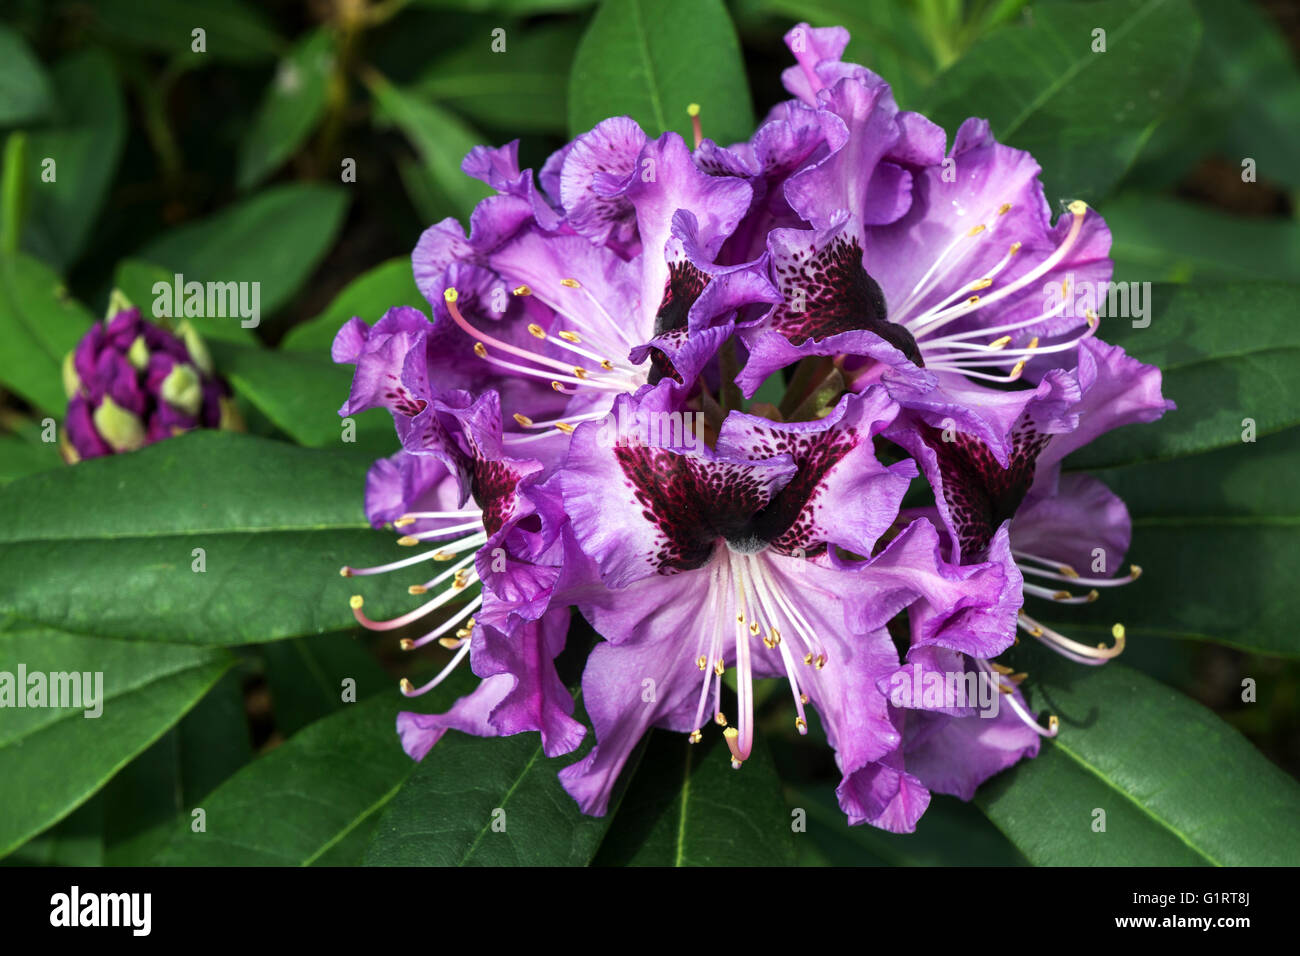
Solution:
(409, 691)
(1073, 650)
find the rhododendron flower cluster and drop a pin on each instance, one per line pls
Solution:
(572, 437)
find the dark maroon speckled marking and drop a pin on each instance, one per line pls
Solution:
(692, 503)
(789, 522)
(493, 486)
(401, 400)
(684, 284)
(839, 296)
(980, 493)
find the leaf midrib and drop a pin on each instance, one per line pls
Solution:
(1075, 68)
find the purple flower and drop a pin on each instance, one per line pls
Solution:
(735, 557)
(131, 383)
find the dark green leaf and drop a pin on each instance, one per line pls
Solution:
(276, 237)
(294, 805)
(949, 833)
(53, 759)
(1217, 538)
(290, 108)
(301, 394)
(1083, 115)
(686, 806)
(235, 30)
(1177, 784)
(440, 139)
(1169, 240)
(24, 88)
(144, 804)
(650, 61)
(493, 801)
(85, 144)
(522, 88)
(306, 676)
(1228, 352)
(107, 547)
(368, 296)
(39, 325)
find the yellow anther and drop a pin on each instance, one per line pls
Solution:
(1004, 209)
(1000, 343)
(1068, 571)
(480, 350)
(1002, 669)
(1053, 723)
(407, 541)
(570, 337)
(403, 521)
(800, 724)
(719, 668)
(536, 331)
(701, 662)
(571, 283)
(821, 661)
(1033, 343)
(557, 386)
(753, 628)
(1134, 571)
(523, 420)
(522, 290)
(444, 555)
(464, 632)
(580, 372)
(981, 284)
(451, 643)
(345, 572)
(1019, 367)
(976, 230)
(607, 365)
(417, 589)
(1015, 247)
(696, 736)
(776, 637)
(406, 685)
(972, 300)
(803, 698)
(564, 427)
(808, 658)
(720, 719)
(406, 644)
(1093, 595)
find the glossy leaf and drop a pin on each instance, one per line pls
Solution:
(39, 324)
(493, 801)
(84, 145)
(301, 394)
(275, 523)
(1216, 537)
(295, 804)
(1227, 353)
(53, 759)
(25, 92)
(1083, 115)
(1177, 784)
(290, 109)
(686, 806)
(276, 237)
(368, 296)
(651, 61)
